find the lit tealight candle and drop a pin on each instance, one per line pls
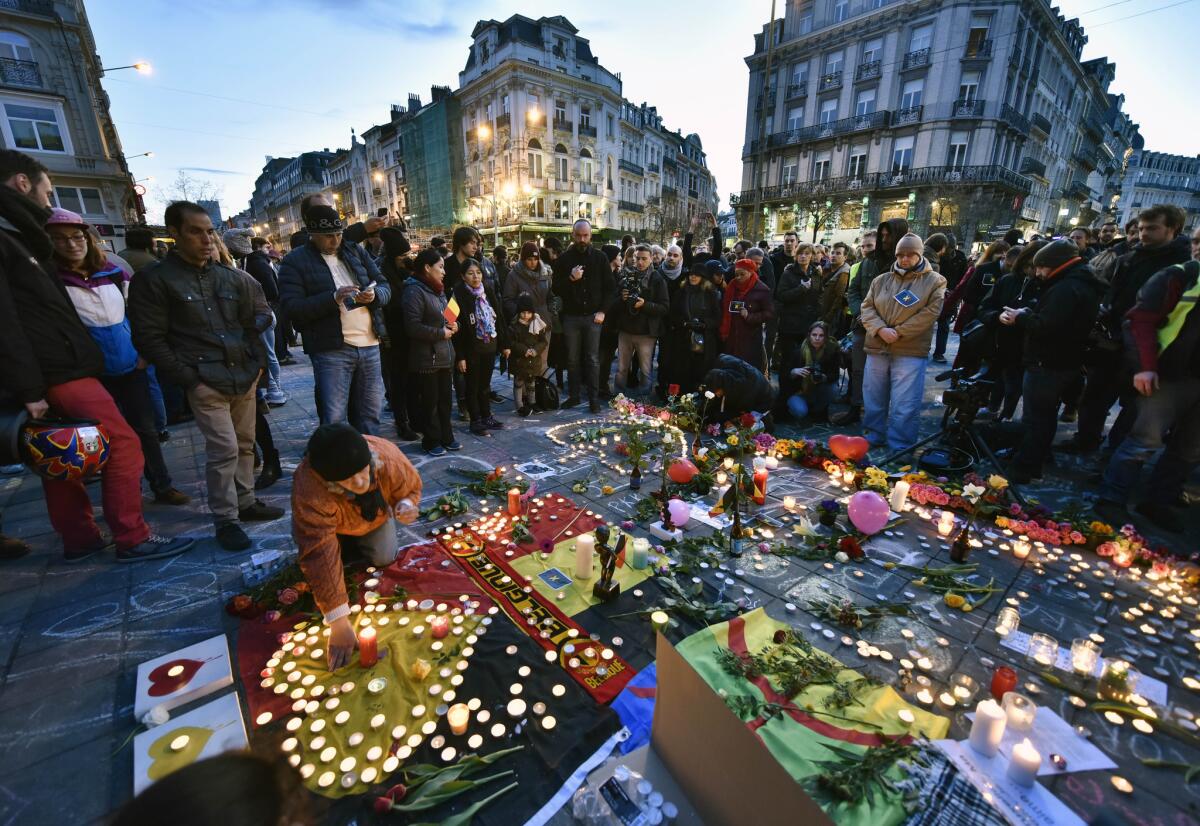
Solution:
(789, 504)
(180, 742)
(925, 697)
(439, 626)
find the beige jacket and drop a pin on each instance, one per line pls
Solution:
(915, 322)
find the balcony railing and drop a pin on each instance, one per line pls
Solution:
(20, 72)
(797, 90)
(1014, 119)
(670, 192)
(693, 193)
(503, 120)
(590, 131)
(42, 7)
(559, 185)
(1084, 158)
(1032, 166)
(1078, 190)
(911, 114)
(915, 60)
(868, 71)
(1040, 123)
(831, 80)
(978, 50)
(652, 200)
(653, 167)
(630, 166)
(587, 189)
(629, 206)
(474, 190)
(1094, 126)
(994, 175)
(563, 125)
(967, 108)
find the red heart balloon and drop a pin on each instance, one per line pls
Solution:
(172, 676)
(848, 448)
(682, 471)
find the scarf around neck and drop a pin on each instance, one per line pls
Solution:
(672, 274)
(439, 288)
(485, 316)
(370, 502)
(733, 292)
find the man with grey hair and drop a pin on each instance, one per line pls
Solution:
(583, 280)
(657, 254)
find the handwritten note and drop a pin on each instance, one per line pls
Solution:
(1020, 806)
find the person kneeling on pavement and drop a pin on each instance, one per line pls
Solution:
(347, 494)
(741, 388)
(811, 374)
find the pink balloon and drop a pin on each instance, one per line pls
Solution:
(680, 512)
(868, 511)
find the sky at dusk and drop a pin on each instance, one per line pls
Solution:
(234, 82)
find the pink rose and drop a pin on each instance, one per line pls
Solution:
(288, 596)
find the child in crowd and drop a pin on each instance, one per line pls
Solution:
(527, 338)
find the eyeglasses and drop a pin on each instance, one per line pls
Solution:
(69, 240)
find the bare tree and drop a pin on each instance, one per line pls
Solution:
(186, 187)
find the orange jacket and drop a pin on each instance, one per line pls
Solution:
(320, 514)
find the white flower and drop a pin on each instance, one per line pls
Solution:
(972, 492)
(708, 394)
(841, 556)
(156, 716)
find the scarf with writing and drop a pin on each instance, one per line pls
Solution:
(734, 291)
(485, 316)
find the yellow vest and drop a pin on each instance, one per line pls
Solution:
(1170, 330)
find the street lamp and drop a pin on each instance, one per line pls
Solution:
(141, 67)
(483, 131)
(140, 155)
(139, 180)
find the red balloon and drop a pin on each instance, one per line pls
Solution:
(682, 471)
(848, 448)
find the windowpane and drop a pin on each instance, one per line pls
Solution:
(871, 50)
(833, 62)
(92, 205)
(51, 139)
(922, 36)
(23, 134)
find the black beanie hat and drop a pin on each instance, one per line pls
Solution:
(699, 267)
(524, 302)
(394, 242)
(1056, 253)
(337, 452)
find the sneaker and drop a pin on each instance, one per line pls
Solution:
(478, 428)
(1165, 516)
(939, 359)
(164, 436)
(171, 496)
(286, 360)
(594, 406)
(1069, 415)
(260, 511)
(524, 411)
(12, 548)
(277, 399)
(573, 401)
(492, 423)
(453, 446)
(71, 555)
(496, 397)
(231, 537)
(848, 416)
(436, 450)
(158, 547)
(1112, 513)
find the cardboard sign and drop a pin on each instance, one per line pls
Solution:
(182, 676)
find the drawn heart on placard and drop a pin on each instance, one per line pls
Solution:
(172, 676)
(848, 448)
(167, 760)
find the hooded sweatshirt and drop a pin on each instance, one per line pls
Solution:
(908, 301)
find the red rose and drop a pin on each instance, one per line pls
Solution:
(851, 547)
(780, 636)
(301, 587)
(672, 389)
(747, 420)
(242, 602)
(288, 596)
(397, 793)
(383, 805)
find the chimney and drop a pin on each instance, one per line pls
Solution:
(414, 102)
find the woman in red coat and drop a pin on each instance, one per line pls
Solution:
(746, 307)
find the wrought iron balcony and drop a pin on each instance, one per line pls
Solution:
(559, 185)
(1078, 190)
(970, 176)
(967, 108)
(503, 120)
(912, 114)
(1014, 119)
(563, 125)
(1040, 123)
(630, 166)
(652, 200)
(20, 72)
(1085, 156)
(653, 167)
(1032, 166)
(587, 189)
(868, 71)
(589, 131)
(831, 80)
(670, 192)
(1094, 126)
(693, 193)
(797, 90)
(916, 60)
(629, 206)
(978, 50)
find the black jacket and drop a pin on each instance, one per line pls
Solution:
(258, 264)
(307, 291)
(595, 292)
(1133, 270)
(744, 385)
(648, 319)
(42, 340)
(953, 267)
(798, 300)
(466, 343)
(779, 262)
(425, 325)
(1057, 327)
(200, 324)
(1015, 291)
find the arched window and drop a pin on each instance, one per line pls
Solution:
(534, 143)
(585, 153)
(15, 46)
(560, 163)
(560, 149)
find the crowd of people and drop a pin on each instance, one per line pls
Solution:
(1063, 328)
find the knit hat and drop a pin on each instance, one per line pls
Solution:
(395, 243)
(1055, 254)
(699, 267)
(238, 242)
(337, 452)
(322, 220)
(524, 303)
(65, 218)
(530, 250)
(910, 243)
(746, 264)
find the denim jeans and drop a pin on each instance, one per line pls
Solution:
(350, 387)
(815, 403)
(271, 383)
(893, 387)
(1042, 391)
(583, 350)
(1174, 406)
(156, 397)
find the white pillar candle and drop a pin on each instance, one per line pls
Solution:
(639, 554)
(789, 504)
(987, 728)
(585, 549)
(1024, 764)
(899, 496)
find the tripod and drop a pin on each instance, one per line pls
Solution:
(958, 432)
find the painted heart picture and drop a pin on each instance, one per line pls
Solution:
(184, 676)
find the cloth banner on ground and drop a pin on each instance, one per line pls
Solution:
(635, 707)
(795, 738)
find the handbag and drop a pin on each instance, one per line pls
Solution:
(545, 392)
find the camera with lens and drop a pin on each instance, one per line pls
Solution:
(966, 395)
(817, 374)
(631, 286)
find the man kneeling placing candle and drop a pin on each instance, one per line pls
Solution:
(344, 494)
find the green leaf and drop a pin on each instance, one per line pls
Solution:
(464, 817)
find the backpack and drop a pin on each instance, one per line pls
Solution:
(545, 392)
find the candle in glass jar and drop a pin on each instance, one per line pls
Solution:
(848, 477)
(1007, 621)
(439, 626)
(1084, 656)
(988, 728)
(760, 482)
(514, 501)
(660, 620)
(1004, 679)
(899, 496)
(458, 715)
(1024, 763)
(639, 553)
(368, 649)
(585, 549)
(1043, 650)
(946, 523)
(1020, 711)
(1020, 548)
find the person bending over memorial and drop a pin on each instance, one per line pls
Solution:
(347, 494)
(737, 387)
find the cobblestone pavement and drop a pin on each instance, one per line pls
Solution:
(71, 636)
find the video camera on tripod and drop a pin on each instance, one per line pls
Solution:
(966, 395)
